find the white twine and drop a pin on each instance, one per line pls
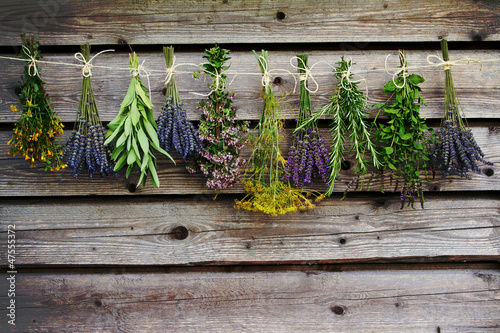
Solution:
(306, 75)
(219, 83)
(87, 65)
(136, 71)
(447, 64)
(32, 61)
(266, 75)
(401, 70)
(346, 77)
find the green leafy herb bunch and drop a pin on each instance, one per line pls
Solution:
(265, 191)
(402, 140)
(456, 152)
(36, 131)
(133, 130)
(221, 133)
(85, 150)
(308, 154)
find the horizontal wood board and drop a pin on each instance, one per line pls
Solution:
(146, 231)
(308, 301)
(64, 22)
(477, 85)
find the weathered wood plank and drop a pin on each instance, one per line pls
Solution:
(194, 22)
(478, 91)
(18, 179)
(307, 301)
(199, 230)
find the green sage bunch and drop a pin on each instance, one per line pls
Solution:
(133, 130)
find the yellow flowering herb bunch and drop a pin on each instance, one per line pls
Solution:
(265, 191)
(35, 132)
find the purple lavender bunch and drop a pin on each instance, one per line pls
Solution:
(85, 151)
(308, 154)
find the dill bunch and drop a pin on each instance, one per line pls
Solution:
(265, 191)
(36, 131)
(455, 152)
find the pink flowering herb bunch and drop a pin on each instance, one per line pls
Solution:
(221, 132)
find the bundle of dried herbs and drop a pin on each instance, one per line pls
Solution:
(456, 152)
(347, 109)
(85, 151)
(308, 154)
(265, 191)
(402, 142)
(220, 130)
(175, 131)
(35, 133)
(133, 130)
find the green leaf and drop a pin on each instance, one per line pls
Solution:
(127, 128)
(145, 161)
(130, 168)
(391, 166)
(389, 150)
(121, 139)
(406, 136)
(131, 157)
(143, 141)
(154, 176)
(121, 162)
(145, 99)
(391, 110)
(134, 113)
(417, 145)
(415, 79)
(129, 96)
(153, 135)
(116, 152)
(389, 86)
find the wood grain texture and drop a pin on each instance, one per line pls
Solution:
(307, 301)
(193, 22)
(143, 231)
(478, 90)
(18, 179)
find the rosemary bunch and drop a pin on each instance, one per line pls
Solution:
(402, 139)
(265, 191)
(308, 153)
(35, 133)
(347, 109)
(175, 131)
(85, 150)
(220, 130)
(133, 131)
(456, 152)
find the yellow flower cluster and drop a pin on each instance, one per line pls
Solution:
(276, 198)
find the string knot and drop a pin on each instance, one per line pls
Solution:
(87, 65)
(32, 66)
(403, 70)
(306, 75)
(447, 64)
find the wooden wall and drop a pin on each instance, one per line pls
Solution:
(103, 255)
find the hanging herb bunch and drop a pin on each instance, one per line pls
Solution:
(175, 131)
(85, 150)
(133, 130)
(308, 154)
(347, 109)
(456, 152)
(36, 131)
(403, 146)
(265, 191)
(220, 130)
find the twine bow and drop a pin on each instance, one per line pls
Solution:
(306, 75)
(447, 64)
(136, 71)
(87, 65)
(401, 70)
(32, 61)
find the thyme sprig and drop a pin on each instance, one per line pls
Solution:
(456, 152)
(265, 191)
(133, 130)
(402, 141)
(37, 129)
